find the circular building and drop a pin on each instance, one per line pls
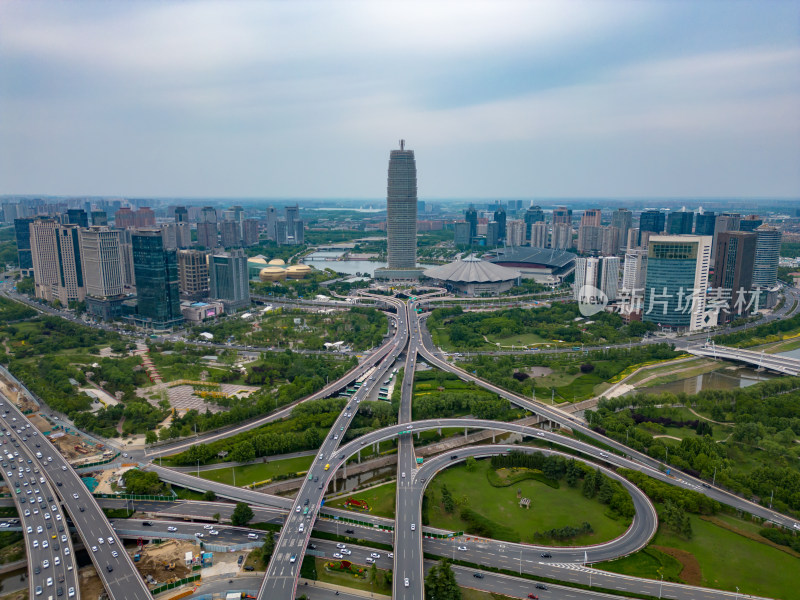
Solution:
(271, 274)
(258, 259)
(298, 271)
(277, 262)
(474, 277)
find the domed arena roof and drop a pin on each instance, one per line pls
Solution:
(277, 262)
(257, 259)
(472, 270)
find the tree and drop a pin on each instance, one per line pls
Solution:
(471, 464)
(268, 548)
(440, 584)
(151, 437)
(216, 517)
(209, 496)
(242, 514)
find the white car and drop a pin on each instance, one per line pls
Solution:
(64, 538)
(213, 532)
(27, 513)
(170, 528)
(75, 496)
(71, 592)
(337, 555)
(198, 534)
(405, 582)
(293, 558)
(45, 544)
(413, 527)
(208, 527)
(390, 555)
(340, 545)
(375, 555)
(35, 543)
(462, 548)
(252, 536)
(540, 433)
(45, 564)
(63, 468)
(39, 529)
(56, 561)
(66, 553)
(30, 529)
(369, 560)
(111, 540)
(114, 553)
(94, 548)
(346, 552)
(100, 540)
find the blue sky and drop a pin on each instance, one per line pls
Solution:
(305, 99)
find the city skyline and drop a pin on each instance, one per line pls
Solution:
(648, 99)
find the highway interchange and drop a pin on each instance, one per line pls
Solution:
(123, 582)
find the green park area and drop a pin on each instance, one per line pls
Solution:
(380, 500)
(566, 377)
(723, 552)
(559, 324)
(441, 394)
(359, 327)
(259, 472)
(485, 501)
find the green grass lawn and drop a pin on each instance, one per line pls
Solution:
(260, 471)
(522, 339)
(470, 594)
(381, 500)
(644, 564)
(551, 508)
(726, 560)
(442, 339)
(670, 367)
(350, 580)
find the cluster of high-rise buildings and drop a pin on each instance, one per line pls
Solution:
(680, 269)
(148, 273)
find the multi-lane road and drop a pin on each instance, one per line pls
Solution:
(48, 544)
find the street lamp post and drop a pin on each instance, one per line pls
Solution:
(520, 562)
(661, 585)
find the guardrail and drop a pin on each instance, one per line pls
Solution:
(97, 463)
(137, 497)
(174, 584)
(379, 526)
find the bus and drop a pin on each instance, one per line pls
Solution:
(351, 390)
(383, 397)
(357, 384)
(385, 389)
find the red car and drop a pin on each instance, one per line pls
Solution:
(533, 596)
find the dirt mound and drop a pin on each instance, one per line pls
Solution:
(690, 573)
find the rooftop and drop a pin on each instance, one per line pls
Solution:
(472, 270)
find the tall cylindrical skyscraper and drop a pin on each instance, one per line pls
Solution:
(401, 209)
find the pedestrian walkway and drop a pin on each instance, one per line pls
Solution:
(142, 351)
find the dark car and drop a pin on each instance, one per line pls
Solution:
(60, 591)
(241, 559)
(349, 531)
(147, 524)
(455, 456)
(541, 586)
(478, 575)
(312, 546)
(37, 569)
(249, 568)
(109, 568)
(546, 555)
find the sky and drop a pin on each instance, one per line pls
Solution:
(524, 98)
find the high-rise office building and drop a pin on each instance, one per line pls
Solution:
(609, 241)
(534, 214)
(500, 219)
(750, 223)
(401, 209)
(299, 232)
(157, 288)
(102, 261)
(208, 214)
(249, 232)
(228, 280)
(680, 222)
(492, 233)
(733, 272)
(124, 218)
(589, 238)
(193, 274)
(99, 218)
(601, 273)
(78, 216)
(725, 222)
(471, 217)
(515, 232)
(622, 219)
(272, 219)
(144, 217)
(462, 236)
(126, 254)
(181, 214)
(281, 232)
(71, 286)
(651, 220)
(207, 235)
(231, 234)
(44, 254)
(634, 271)
(765, 267)
(539, 234)
(562, 236)
(22, 234)
(677, 280)
(633, 238)
(705, 222)
(562, 216)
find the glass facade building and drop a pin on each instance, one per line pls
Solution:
(157, 287)
(401, 209)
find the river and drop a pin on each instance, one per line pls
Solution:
(322, 260)
(723, 379)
